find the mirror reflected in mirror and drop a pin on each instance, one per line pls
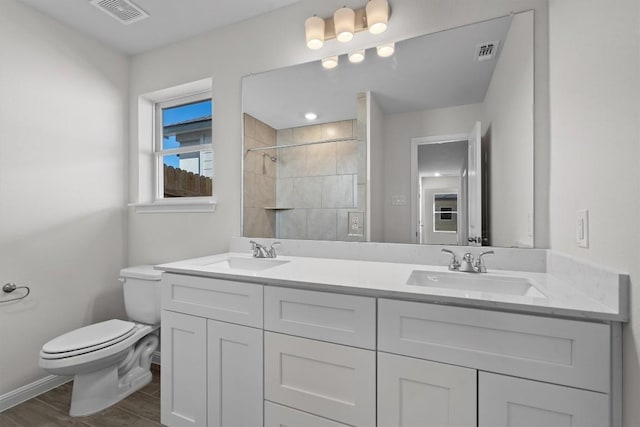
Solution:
(433, 145)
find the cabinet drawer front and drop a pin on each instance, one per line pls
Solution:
(343, 319)
(333, 381)
(555, 350)
(413, 392)
(281, 416)
(217, 299)
(514, 402)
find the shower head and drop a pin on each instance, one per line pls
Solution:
(272, 158)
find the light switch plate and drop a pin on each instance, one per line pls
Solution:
(582, 228)
(398, 200)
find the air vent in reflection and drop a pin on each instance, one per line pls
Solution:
(123, 10)
(487, 50)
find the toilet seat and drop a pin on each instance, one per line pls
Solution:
(88, 339)
(65, 363)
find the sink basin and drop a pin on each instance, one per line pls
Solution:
(246, 264)
(477, 282)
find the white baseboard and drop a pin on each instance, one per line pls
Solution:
(36, 388)
(29, 391)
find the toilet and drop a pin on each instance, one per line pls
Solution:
(110, 360)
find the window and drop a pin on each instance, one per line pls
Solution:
(183, 150)
(445, 212)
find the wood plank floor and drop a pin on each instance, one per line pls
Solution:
(51, 409)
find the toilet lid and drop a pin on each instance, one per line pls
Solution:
(90, 336)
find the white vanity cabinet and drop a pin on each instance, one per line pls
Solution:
(212, 370)
(251, 355)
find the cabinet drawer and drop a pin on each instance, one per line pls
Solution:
(281, 416)
(217, 299)
(554, 350)
(330, 380)
(343, 319)
(514, 402)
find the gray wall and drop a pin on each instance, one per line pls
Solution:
(63, 182)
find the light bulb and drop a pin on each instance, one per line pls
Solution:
(314, 32)
(330, 62)
(377, 16)
(385, 50)
(344, 20)
(310, 116)
(357, 56)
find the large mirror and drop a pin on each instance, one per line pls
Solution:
(433, 145)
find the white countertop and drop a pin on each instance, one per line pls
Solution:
(386, 279)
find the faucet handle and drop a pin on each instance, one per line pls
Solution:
(479, 264)
(272, 250)
(256, 248)
(454, 264)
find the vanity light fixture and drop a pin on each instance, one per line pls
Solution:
(385, 50)
(342, 26)
(310, 116)
(314, 32)
(330, 62)
(356, 56)
(344, 21)
(377, 16)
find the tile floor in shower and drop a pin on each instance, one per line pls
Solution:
(51, 409)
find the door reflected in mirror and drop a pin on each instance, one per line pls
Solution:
(376, 162)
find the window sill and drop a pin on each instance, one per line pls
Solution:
(183, 205)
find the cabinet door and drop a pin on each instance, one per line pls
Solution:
(414, 392)
(329, 380)
(506, 401)
(234, 375)
(184, 364)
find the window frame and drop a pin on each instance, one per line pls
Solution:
(158, 152)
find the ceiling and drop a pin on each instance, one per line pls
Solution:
(433, 71)
(170, 20)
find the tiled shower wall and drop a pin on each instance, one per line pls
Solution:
(317, 185)
(259, 179)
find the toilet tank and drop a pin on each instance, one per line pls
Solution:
(142, 293)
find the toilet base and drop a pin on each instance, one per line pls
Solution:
(95, 391)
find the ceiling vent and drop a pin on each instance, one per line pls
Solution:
(487, 50)
(122, 10)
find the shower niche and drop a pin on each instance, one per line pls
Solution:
(306, 182)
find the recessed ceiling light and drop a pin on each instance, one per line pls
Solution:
(437, 174)
(310, 116)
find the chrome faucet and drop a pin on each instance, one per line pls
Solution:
(454, 264)
(261, 251)
(469, 265)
